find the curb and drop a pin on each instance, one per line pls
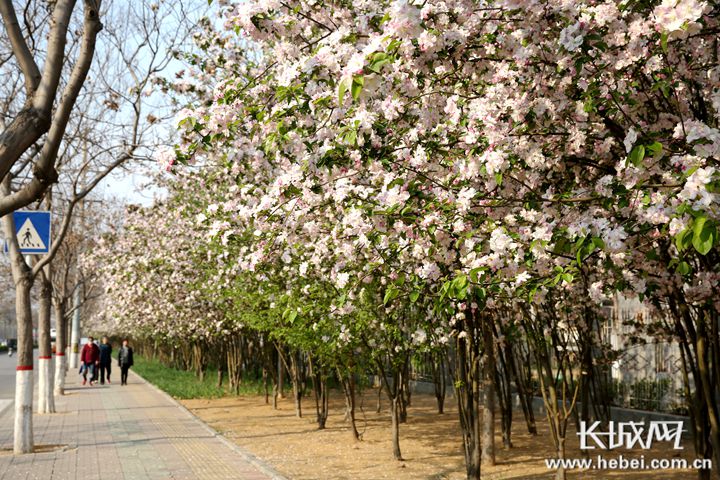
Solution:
(247, 456)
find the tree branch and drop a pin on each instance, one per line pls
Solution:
(30, 70)
(44, 173)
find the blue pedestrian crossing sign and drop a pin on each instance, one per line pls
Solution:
(33, 231)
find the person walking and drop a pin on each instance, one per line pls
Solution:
(105, 360)
(125, 361)
(90, 358)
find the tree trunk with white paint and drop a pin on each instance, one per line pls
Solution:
(60, 342)
(23, 278)
(75, 335)
(46, 400)
(23, 438)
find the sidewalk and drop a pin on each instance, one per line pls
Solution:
(132, 432)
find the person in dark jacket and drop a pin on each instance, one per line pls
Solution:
(125, 361)
(89, 357)
(105, 360)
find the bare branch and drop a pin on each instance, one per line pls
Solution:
(44, 173)
(30, 70)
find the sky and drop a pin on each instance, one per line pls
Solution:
(133, 188)
(134, 185)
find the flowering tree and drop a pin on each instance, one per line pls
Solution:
(473, 157)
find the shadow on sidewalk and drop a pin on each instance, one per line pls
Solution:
(105, 387)
(141, 441)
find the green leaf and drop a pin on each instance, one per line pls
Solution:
(683, 268)
(474, 274)
(357, 85)
(637, 155)
(655, 149)
(704, 235)
(680, 239)
(379, 59)
(579, 243)
(342, 88)
(460, 282)
(390, 294)
(498, 178)
(664, 41)
(292, 315)
(414, 295)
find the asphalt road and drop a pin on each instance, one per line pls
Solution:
(7, 375)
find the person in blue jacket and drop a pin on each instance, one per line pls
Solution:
(105, 360)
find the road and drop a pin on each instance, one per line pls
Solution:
(7, 378)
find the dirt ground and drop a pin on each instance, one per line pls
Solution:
(430, 442)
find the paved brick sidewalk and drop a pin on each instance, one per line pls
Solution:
(133, 432)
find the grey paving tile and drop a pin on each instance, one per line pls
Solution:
(133, 433)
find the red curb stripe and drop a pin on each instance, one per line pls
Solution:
(44, 358)
(23, 367)
(59, 354)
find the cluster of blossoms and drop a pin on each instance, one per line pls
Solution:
(371, 165)
(450, 138)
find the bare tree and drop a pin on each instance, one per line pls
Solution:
(112, 125)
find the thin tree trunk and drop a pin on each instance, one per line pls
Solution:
(560, 473)
(281, 376)
(46, 400)
(296, 383)
(378, 408)
(467, 392)
(275, 395)
(60, 342)
(395, 416)
(523, 391)
(439, 383)
(266, 385)
(234, 358)
(319, 380)
(703, 370)
(199, 360)
(487, 440)
(348, 383)
(75, 329)
(219, 375)
(503, 383)
(402, 393)
(405, 393)
(272, 361)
